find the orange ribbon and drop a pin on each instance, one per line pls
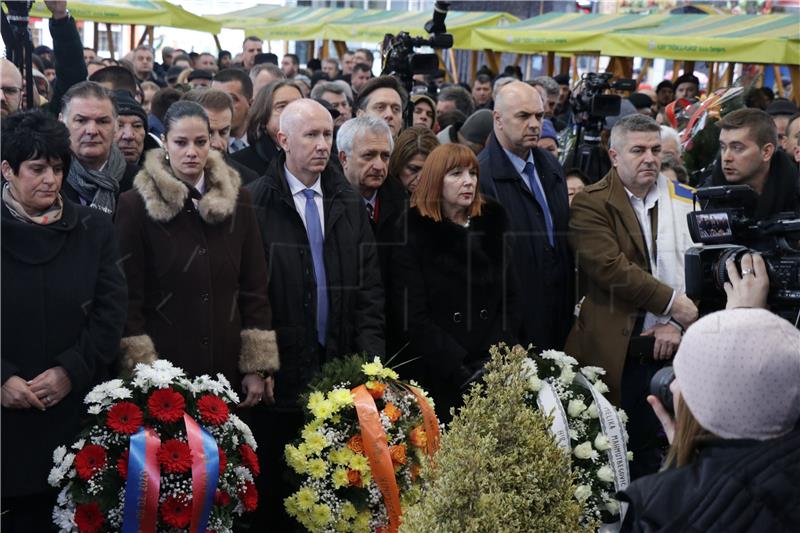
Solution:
(429, 420)
(377, 450)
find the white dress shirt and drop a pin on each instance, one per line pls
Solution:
(297, 187)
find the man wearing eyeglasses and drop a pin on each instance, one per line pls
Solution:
(11, 92)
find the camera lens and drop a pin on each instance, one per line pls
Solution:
(659, 387)
(721, 270)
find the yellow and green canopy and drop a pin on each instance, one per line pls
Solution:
(145, 12)
(348, 24)
(739, 38)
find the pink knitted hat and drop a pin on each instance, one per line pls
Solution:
(739, 373)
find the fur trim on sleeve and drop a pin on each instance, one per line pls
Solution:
(259, 351)
(137, 349)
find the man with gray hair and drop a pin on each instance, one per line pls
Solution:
(263, 74)
(334, 94)
(365, 145)
(325, 286)
(98, 172)
(454, 97)
(629, 235)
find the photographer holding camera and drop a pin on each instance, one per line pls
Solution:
(748, 142)
(734, 462)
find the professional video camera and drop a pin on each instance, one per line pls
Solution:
(400, 59)
(726, 227)
(590, 107)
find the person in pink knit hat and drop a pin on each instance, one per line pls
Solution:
(734, 462)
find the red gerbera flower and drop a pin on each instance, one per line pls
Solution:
(175, 456)
(223, 460)
(212, 409)
(89, 460)
(122, 465)
(249, 496)
(124, 417)
(249, 458)
(221, 498)
(89, 518)
(166, 405)
(175, 512)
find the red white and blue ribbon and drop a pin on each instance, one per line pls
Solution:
(205, 473)
(140, 514)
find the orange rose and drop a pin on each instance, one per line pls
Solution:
(415, 468)
(392, 413)
(354, 477)
(398, 454)
(356, 444)
(376, 389)
(418, 437)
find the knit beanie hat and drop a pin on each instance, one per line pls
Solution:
(739, 373)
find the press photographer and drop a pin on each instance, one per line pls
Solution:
(733, 464)
(748, 143)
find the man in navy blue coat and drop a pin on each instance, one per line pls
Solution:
(530, 184)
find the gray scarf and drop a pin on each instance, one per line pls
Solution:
(99, 187)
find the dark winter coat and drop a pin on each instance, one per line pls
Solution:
(258, 156)
(733, 486)
(355, 295)
(544, 274)
(454, 295)
(391, 202)
(197, 278)
(63, 304)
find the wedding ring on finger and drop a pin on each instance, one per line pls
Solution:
(47, 400)
(746, 272)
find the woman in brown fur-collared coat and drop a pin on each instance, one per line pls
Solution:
(192, 255)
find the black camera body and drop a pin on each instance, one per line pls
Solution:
(727, 229)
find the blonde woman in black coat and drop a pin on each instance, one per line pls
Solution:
(453, 291)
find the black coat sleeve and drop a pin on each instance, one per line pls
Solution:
(369, 315)
(98, 344)
(68, 51)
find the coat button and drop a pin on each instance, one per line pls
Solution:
(484, 314)
(202, 251)
(204, 341)
(204, 297)
(457, 317)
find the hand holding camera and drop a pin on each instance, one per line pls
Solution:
(750, 288)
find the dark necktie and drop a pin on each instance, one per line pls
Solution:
(538, 193)
(315, 239)
(371, 211)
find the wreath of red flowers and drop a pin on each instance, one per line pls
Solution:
(249, 459)
(212, 409)
(89, 518)
(175, 456)
(166, 405)
(124, 417)
(175, 512)
(89, 460)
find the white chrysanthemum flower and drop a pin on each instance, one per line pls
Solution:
(600, 386)
(612, 506)
(583, 450)
(567, 376)
(95, 409)
(605, 474)
(630, 456)
(592, 372)
(245, 430)
(601, 442)
(64, 519)
(529, 369)
(79, 444)
(575, 408)
(59, 453)
(623, 416)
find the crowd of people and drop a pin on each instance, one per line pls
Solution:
(242, 215)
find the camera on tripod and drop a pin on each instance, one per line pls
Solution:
(400, 58)
(727, 229)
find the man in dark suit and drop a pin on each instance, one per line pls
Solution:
(530, 184)
(325, 285)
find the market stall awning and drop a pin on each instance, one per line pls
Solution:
(348, 24)
(740, 38)
(145, 12)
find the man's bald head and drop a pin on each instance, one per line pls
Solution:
(11, 94)
(306, 136)
(518, 113)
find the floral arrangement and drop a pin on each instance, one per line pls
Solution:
(360, 456)
(161, 452)
(499, 468)
(586, 426)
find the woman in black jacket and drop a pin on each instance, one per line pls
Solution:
(734, 464)
(262, 124)
(63, 309)
(453, 292)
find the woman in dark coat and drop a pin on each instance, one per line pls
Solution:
(262, 124)
(452, 290)
(63, 309)
(192, 255)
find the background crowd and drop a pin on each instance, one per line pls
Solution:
(239, 213)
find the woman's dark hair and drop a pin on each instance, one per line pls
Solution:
(162, 100)
(184, 109)
(34, 135)
(261, 109)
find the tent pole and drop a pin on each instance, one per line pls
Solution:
(492, 59)
(778, 81)
(794, 74)
(132, 37)
(712, 75)
(96, 29)
(473, 65)
(688, 67)
(341, 48)
(676, 66)
(729, 74)
(575, 68)
(563, 68)
(528, 66)
(110, 37)
(453, 66)
(325, 52)
(551, 60)
(216, 41)
(517, 60)
(643, 71)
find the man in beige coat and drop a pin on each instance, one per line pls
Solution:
(612, 231)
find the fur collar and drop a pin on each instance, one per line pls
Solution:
(164, 195)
